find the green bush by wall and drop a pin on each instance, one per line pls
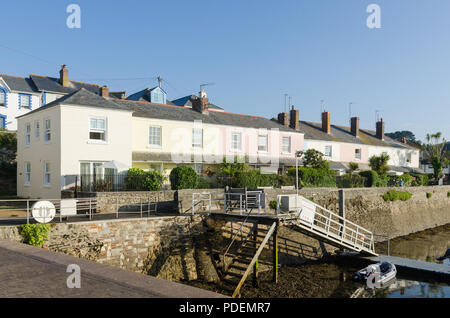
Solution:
(34, 234)
(313, 177)
(183, 177)
(394, 195)
(140, 180)
(371, 178)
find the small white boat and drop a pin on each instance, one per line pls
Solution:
(385, 272)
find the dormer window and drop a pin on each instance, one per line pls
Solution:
(158, 96)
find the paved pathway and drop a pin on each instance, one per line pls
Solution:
(27, 271)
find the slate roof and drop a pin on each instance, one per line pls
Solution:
(20, 84)
(313, 131)
(82, 97)
(51, 84)
(186, 101)
(159, 111)
(38, 83)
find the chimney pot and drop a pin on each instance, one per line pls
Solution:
(294, 119)
(283, 119)
(326, 122)
(380, 129)
(354, 123)
(64, 76)
(104, 91)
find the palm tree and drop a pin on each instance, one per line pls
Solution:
(436, 153)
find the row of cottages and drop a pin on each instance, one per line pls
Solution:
(20, 95)
(342, 145)
(85, 134)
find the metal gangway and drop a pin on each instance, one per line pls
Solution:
(320, 223)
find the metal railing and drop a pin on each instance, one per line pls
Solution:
(244, 202)
(20, 210)
(234, 237)
(330, 225)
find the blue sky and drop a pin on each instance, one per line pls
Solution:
(254, 51)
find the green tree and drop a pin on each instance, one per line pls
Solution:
(435, 151)
(379, 164)
(183, 177)
(404, 133)
(314, 159)
(352, 167)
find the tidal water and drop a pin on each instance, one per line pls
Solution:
(332, 280)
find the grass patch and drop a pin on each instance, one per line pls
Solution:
(429, 195)
(394, 195)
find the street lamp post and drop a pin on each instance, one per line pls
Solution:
(298, 155)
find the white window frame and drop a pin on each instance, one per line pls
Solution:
(266, 143)
(27, 173)
(238, 142)
(47, 131)
(27, 134)
(47, 173)
(37, 129)
(28, 97)
(97, 130)
(3, 93)
(328, 151)
(289, 145)
(154, 145)
(356, 154)
(196, 135)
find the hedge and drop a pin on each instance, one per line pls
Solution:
(183, 177)
(311, 177)
(371, 178)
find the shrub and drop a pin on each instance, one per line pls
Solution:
(429, 195)
(382, 181)
(371, 178)
(253, 179)
(273, 204)
(285, 180)
(350, 181)
(353, 166)
(34, 234)
(420, 180)
(394, 195)
(312, 177)
(204, 183)
(140, 180)
(183, 177)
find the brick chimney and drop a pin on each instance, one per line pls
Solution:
(294, 119)
(326, 122)
(104, 91)
(380, 129)
(64, 76)
(283, 119)
(354, 123)
(201, 103)
(403, 140)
